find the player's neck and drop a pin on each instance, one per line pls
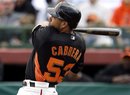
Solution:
(66, 30)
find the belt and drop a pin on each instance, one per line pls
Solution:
(31, 83)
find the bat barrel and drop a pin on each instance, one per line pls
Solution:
(100, 31)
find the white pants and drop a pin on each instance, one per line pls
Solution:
(27, 90)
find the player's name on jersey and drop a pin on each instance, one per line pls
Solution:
(66, 51)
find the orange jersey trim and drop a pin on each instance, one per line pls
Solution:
(38, 74)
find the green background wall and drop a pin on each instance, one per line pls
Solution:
(11, 88)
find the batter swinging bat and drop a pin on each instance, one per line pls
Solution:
(100, 31)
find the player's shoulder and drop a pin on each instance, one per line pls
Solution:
(79, 36)
(43, 28)
(80, 40)
(40, 25)
(36, 28)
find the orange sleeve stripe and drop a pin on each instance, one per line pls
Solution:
(38, 74)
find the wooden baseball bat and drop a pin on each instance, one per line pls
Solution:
(100, 31)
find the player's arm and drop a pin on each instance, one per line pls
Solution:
(71, 76)
(73, 73)
(39, 35)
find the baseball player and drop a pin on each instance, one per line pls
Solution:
(58, 52)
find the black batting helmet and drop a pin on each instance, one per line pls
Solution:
(67, 12)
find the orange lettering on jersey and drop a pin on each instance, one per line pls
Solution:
(76, 54)
(65, 50)
(73, 52)
(54, 49)
(38, 73)
(70, 51)
(51, 68)
(60, 50)
(78, 57)
(67, 68)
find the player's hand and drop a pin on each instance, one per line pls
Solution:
(71, 76)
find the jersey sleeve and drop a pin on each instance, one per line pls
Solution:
(39, 36)
(79, 65)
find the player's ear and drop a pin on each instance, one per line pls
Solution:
(64, 24)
